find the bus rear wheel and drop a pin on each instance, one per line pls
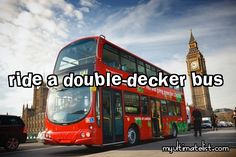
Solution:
(132, 136)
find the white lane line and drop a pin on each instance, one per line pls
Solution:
(185, 135)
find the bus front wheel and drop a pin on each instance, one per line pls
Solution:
(132, 136)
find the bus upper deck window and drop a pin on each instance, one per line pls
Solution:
(111, 56)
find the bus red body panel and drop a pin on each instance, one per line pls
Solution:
(102, 115)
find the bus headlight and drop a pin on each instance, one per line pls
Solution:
(82, 135)
(87, 134)
(47, 135)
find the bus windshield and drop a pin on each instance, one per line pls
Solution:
(78, 53)
(68, 104)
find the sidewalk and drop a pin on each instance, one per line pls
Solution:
(222, 137)
(158, 153)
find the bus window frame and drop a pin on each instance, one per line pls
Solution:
(98, 104)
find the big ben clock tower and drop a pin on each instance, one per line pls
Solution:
(196, 63)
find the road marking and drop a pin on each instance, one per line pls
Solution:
(185, 135)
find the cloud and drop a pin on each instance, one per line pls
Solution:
(149, 23)
(39, 9)
(222, 62)
(150, 33)
(32, 33)
(9, 10)
(89, 3)
(85, 9)
(133, 18)
(36, 31)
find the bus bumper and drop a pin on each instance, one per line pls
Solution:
(85, 141)
(69, 138)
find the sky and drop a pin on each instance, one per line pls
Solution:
(32, 32)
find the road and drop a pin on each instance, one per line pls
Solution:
(222, 137)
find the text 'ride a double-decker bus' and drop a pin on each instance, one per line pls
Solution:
(100, 116)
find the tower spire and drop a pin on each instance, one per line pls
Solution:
(192, 39)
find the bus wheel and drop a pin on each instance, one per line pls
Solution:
(132, 136)
(174, 131)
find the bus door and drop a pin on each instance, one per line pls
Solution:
(112, 116)
(155, 114)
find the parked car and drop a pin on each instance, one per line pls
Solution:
(12, 132)
(40, 137)
(206, 122)
(222, 124)
(229, 124)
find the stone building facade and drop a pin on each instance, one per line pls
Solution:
(196, 63)
(224, 114)
(34, 115)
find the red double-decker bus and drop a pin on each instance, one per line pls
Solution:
(99, 116)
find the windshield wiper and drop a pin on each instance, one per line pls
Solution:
(78, 112)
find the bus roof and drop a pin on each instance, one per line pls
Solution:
(103, 38)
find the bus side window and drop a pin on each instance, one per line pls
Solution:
(163, 107)
(144, 105)
(151, 71)
(178, 109)
(128, 63)
(131, 103)
(171, 108)
(111, 56)
(141, 67)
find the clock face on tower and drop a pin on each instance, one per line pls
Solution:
(193, 45)
(194, 65)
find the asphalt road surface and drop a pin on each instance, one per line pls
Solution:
(218, 140)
